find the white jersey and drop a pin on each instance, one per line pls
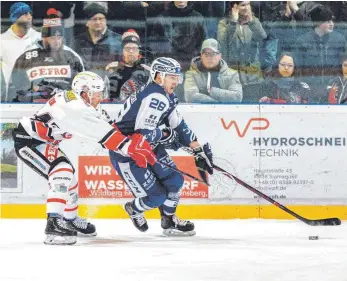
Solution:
(67, 113)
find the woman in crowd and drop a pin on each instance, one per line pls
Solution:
(282, 86)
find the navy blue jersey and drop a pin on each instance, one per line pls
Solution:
(150, 109)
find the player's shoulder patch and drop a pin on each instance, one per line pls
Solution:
(69, 96)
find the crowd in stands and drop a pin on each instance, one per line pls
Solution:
(230, 51)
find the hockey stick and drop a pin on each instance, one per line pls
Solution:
(183, 173)
(327, 221)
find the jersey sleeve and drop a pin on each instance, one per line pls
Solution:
(150, 112)
(79, 119)
(176, 121)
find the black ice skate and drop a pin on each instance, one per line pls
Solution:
(138, 219)
(173, 226)
(82, 226)
(59, 233)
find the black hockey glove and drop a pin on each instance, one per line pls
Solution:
(171, 140)
(204, 158)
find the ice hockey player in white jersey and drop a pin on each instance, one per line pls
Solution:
(158, 186)
(68, 113)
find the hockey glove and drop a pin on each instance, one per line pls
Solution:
(171, 140)
(139, 150)
(204, 158)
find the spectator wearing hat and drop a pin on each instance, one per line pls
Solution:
(318, 53)
(98, 46)
(16, 39)
(46, 66)
(128, 75)
(209, 79)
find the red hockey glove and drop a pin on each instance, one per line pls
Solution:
(140, 151)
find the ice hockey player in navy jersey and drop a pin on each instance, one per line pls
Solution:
(153, 113)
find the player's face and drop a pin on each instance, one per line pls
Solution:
(97, 23)
(54, 42)
(131, 53)
(344, 68)
(210, 59)
(96, 99)
(170, 83)
(286, 66)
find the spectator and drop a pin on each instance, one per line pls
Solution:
(98, 46)
(337, 88)
(209, 79)
(139, 15)
(239, 35)
(64, 10)
(16, 39)
(300, 10)
(182, 31)
(47, 65)
(282, 87)
(128, 76)
(318, 52)
(339, 9)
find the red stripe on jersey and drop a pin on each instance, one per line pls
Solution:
(114, 140)
(56, 200)
(71, 210)
(60, 170)
(74, 187)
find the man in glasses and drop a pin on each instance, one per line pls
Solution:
(209, 79)
(98, 46)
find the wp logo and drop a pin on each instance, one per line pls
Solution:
(257, 125)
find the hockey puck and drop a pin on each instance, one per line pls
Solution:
(313, 237)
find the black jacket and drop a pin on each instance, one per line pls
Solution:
(119, 90)
(182, 31)
(318, 58)
(97, 56)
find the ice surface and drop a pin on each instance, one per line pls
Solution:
(235, 250)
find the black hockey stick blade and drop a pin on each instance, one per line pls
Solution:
(330, 221)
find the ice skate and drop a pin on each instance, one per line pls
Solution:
(173, 226)
(82, 226)
(138, 219)
(59, 233)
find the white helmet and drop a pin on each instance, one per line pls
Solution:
(166, 66)
(88, 82)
